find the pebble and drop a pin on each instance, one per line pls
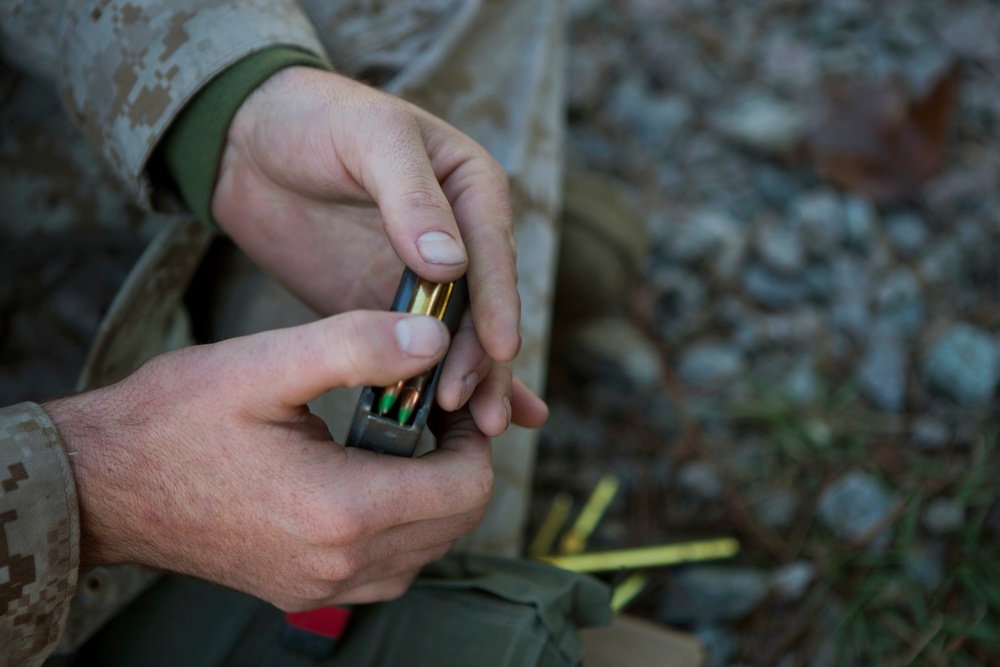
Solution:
(943, 515)
(762, 123)
(709, 594)
(930, 433)
(720, 644)
(705, 233)
(881, 374)
(780, 248)
(611, 348)
(925, 566)
(700, 480)
(777, 509)
(680, 296)
(820, 282)
(771, 290)
(802, 384)
(820, 217)
(900, 303)
(964, 364)
(860, 218)
(790, 582)
(907, 233)
(854, 504)
(710, 364)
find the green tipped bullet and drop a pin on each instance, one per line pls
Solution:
(389, 396)
(408, 404)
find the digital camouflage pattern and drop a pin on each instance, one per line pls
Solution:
(106, 77)
(39, 532)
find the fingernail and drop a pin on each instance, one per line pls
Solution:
(420, 336)
(468, 383)
(506, 408)
(440, 248)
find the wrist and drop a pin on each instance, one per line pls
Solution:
(78, 419)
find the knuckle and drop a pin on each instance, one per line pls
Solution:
(347, 342)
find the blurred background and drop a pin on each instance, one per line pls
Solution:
(820, 320)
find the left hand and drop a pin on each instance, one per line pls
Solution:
(327, 183)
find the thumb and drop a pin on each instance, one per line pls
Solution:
(293, 366)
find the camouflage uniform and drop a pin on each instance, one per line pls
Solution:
(123, 70)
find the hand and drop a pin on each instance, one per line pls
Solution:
(205, 461)
(326, 183)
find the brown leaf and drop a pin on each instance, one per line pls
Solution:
(876, 142)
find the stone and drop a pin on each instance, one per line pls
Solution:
(860, 218)
(679, 298)
(790, 582)
(762, 123)
(704, 234)
(925, 566)
(568, 428)
(972, 32)
(720, 644)
(963, 364)
(850, 311)
(881, 374)
(802, 384)
(711, 594)
(776, 509)
(780, 248)
(655, 119)
(820, 282)
(771, 290)
(900, 302)
(819, 215)
(710, 364)
(943, 516)
(854, 504)
(700, 480)
(611, 348)
(930, 433)
(907, 233)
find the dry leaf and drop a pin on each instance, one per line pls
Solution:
(878, 143)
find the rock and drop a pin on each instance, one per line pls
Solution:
(790, 582)
(771, 290)
(709, 594)
(679, 298)
(929, 433)
(900, 301)
(710, 364)
(964, 365)
(881, 374)
(762, 123)
(907, 233)
(819, 215)
(700, 480)
(802, 385)
(925, 566)
(655, 119)
(850, 310)
(611, 348)
(706, 234)
(854, 504)
(777, 509)
(720, 644)
(820, 282)
(943, 515)
(972, 32)
(780, 248)
(567, 428)
(782, 329)
(860, 218)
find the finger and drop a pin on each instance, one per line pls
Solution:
(293, 366)
(385, 491)
(478, 192)
(490, 403)
(465, 366)
(527, 409)
(383, 590)
(416, 215)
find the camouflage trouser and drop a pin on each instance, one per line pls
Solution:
(492, 68)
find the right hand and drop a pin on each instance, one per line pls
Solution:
(207, 462)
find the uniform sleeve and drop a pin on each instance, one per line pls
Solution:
(39, 535)
(125, 68)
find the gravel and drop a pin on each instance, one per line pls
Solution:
(854, 504)
(964, 364)
(712, 594)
